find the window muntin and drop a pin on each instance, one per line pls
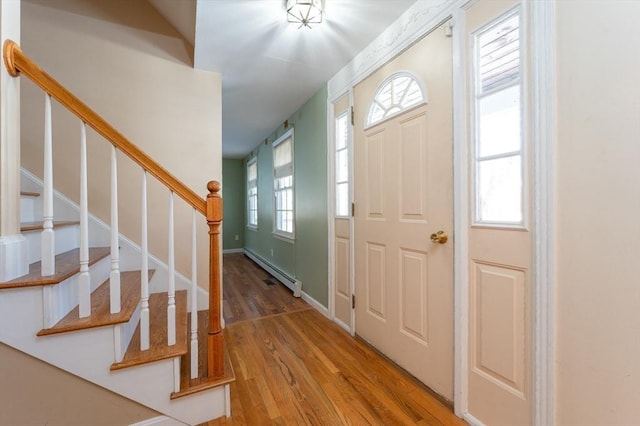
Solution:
(498, 152)
(284, 212)
(342, 165)
(397, 93)
(252, 193)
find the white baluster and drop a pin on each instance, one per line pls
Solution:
(114, 277)
(194, 300)
(48, 243)
(171, 308)
(144, 265)
(84, 279)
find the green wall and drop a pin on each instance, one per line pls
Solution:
(233, 190)
(306, 257)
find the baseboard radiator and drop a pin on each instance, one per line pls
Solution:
(293, 284)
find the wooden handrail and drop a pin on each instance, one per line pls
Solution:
(16, 62)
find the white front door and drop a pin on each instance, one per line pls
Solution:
(403, 194)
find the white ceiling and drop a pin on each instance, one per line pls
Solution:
(270, 67)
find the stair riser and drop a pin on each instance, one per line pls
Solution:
(61, 298)
(124, 334)
(30, 209)
(66, 238)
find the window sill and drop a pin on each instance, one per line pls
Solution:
(286, 238)
(252, 228)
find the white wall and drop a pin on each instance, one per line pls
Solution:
(598, 213)
(126, 62)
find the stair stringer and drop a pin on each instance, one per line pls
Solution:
(89, 353)
(99, 235)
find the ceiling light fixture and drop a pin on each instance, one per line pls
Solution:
(304, 12)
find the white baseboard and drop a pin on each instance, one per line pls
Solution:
(159, 421)
(342, 325)
(472, 420)
(231, 251)
(14, 257)
(315, 304)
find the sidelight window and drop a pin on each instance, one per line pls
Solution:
(498, 148)
(342, 165)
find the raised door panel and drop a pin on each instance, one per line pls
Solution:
(414, 295)
(499, 317)
(375, 280)
(375, 154)
(413, 169)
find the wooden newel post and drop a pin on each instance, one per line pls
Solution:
(215, 339)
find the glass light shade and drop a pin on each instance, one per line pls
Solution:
(304, 12)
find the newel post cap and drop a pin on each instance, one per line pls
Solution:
(213, 186)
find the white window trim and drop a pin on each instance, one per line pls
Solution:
(282, 235)
(249, 225)
(475, 160)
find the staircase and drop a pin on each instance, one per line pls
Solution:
(103, 308)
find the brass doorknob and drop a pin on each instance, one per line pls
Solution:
(439, 237)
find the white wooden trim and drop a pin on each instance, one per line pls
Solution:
(316, 305)
(48, 244)
(14, 261)
(227, 400)
(159, 421)
(543, 95)
(472, 420)
(232, 251)
(171, 303)
(194, 298)
(344, 326)
(352, 227)
(460, 215)
(114, 277)
(144, 268)
(14, 255)
(176, 374)
(420, 18)
(331, 208)
(84, 281)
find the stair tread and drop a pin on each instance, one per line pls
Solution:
(100, 307)
(35, 226)
(67, 265)
(29, 194)
(158, 347)
(189, 386)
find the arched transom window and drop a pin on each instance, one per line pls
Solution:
(397, 93)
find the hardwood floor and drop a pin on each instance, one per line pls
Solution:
(247, 297)
(294, 366)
